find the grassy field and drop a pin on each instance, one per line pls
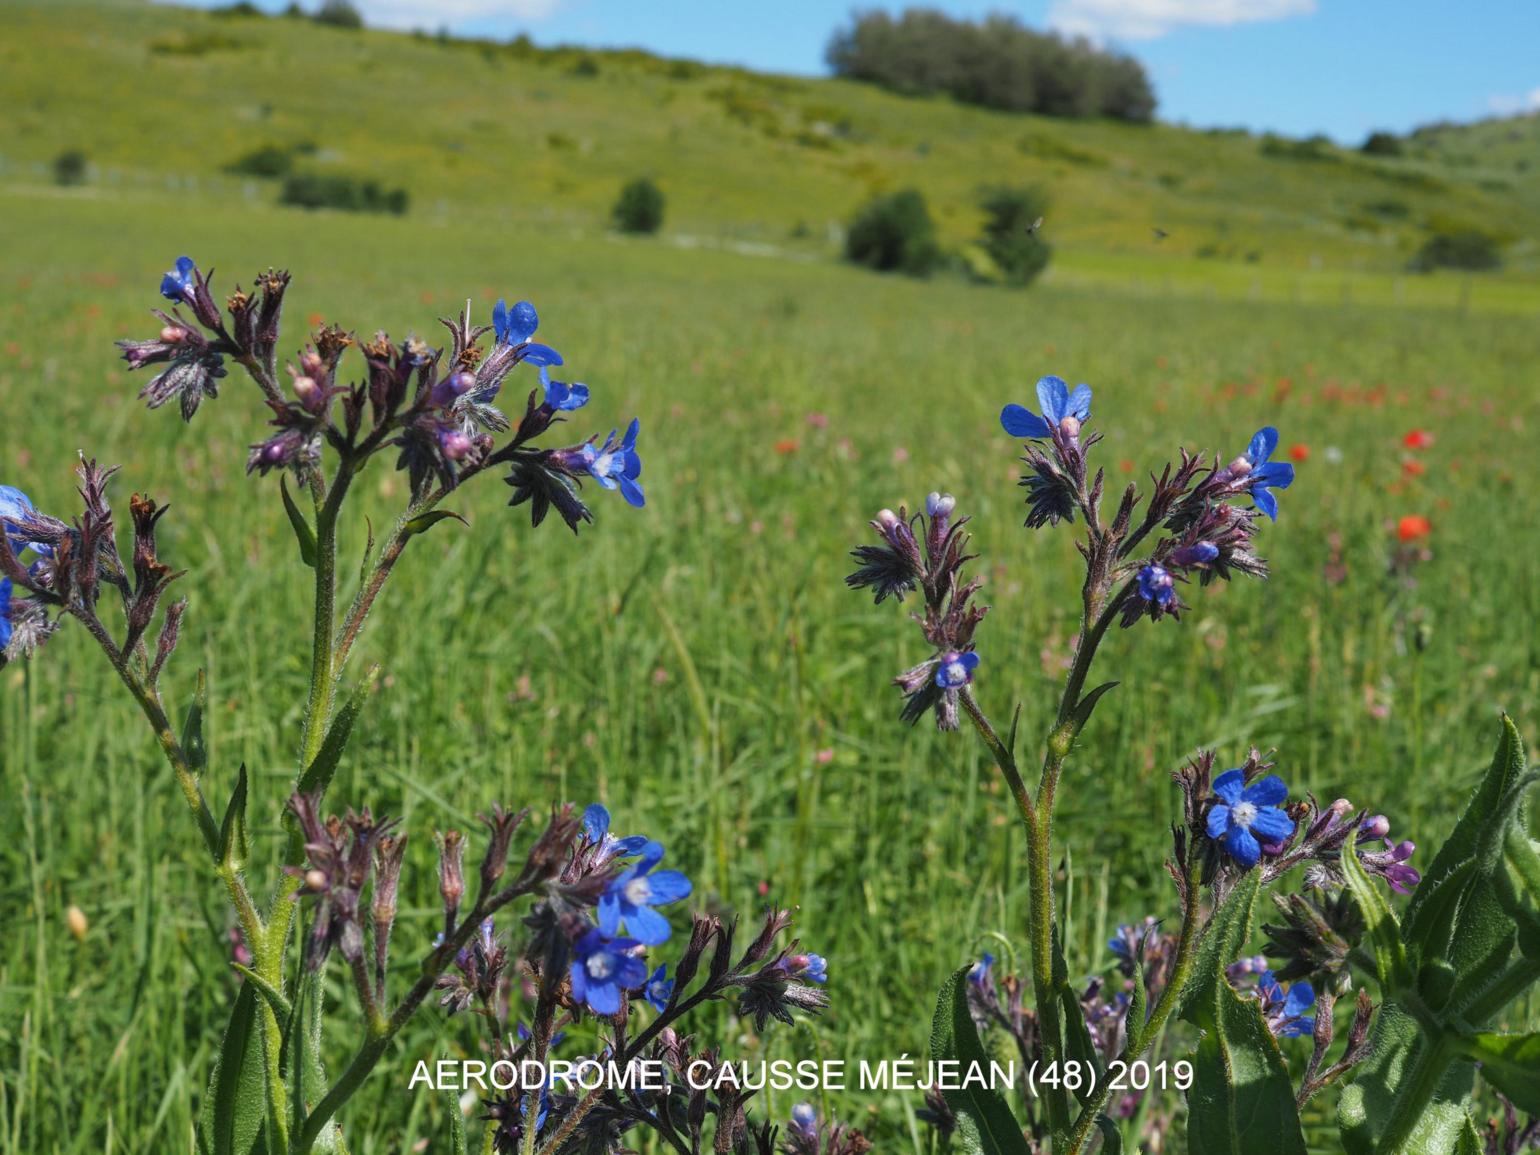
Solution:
(699, 665)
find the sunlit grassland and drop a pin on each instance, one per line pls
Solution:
(688, 663)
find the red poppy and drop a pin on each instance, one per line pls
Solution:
(786, 446)
(1413, 468)
(1418, 439)
(1413, 527)
(1300, 452)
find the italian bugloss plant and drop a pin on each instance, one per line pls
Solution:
(1464, 945)
(572, 927)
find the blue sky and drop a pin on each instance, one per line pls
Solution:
(1341, 67)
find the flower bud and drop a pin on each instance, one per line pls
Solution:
(939, 505)
(315, 880)
(308, 392)
(451, 875)
(455, 444)
(173, 334)
(1071, 426)
(1375, 827)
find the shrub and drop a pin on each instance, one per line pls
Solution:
(1469, 249)
(1381, 144)
(1011, 219)
(70, 167)
(639, 208)
(339, 14)
(894, 233)
(268, 161)
(997, 63)
(316, 191)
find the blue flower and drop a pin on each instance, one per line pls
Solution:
(1261, 474)
(979, 975)
(5, 612)
(659, 989)
(615, 464)
(814, 967)
(1057, 403)
(602, 968)
(179, 284)
(633, 893)
(561, 396)
(1244, 814)
(516, 325)
(804, 1121)
(596, 824)
(1156, 585)
(1285, 1013)
(15, 507)
(956, 670)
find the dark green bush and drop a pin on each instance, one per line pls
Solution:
(639, 208)
(1469, 249)
(894, 234)
(997, 63)
(1011, 239)
(316, 191)
(268, 161)
(70, 167)
(339, 14)
(1381, 144)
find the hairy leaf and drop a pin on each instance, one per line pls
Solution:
(1511, 1063)
(302, 531)
(985, 1125)
(231, 1115)
(1408, 1095)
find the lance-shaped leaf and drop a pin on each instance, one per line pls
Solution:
(423, 522)
(305, 1076)
(318, 775)
(1079, 1047)
(303, 534)
(234, 844)
(1383, 932)
(1241, 1101)
(231, 1115)
(985, 1125)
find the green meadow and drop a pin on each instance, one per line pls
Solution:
(699, 665)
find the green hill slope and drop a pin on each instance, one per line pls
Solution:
(162, 99)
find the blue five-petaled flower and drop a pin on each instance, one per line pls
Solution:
(515, 326)
(616, 464)
(1263, 475)
(596, 824)
(1285, 1013)
(179, 283)
(1248, 817)
(955, 670)
(1057, 403)
(604, 967)
(1156, 585)
(632, 894)
(561, 396)
(659, 989)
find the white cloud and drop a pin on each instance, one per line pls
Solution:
(1151, 19)
(430, 14)
(1514, 105)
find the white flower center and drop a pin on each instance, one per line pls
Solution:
(1243, 814)
(638, 891)
(956, 672)
(601, 965)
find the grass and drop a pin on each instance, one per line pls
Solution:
(700, 665)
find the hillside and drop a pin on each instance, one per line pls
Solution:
(518, 136)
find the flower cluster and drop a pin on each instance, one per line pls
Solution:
(436, 407)
(932, 561)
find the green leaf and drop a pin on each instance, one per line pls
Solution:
(1083, 708)
(1112, 1138)
(1511, 1063)
(318, 775)
(985, 1125)
(423, 522)
(1241, 1101)
(234, 843)
(302, 531)
(304, 1073)
(231, 1115)
(267, 990)
(1384, 932)
(1079, 1047)
(1408, 1094)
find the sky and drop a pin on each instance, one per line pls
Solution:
(1341, 67)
